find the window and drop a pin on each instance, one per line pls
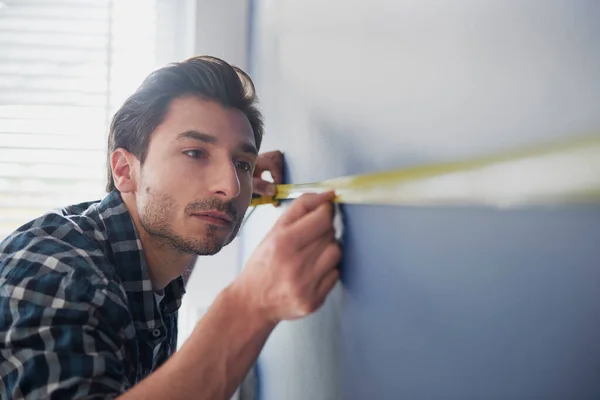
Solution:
(65, 67)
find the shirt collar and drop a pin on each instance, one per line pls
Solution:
(131, 267)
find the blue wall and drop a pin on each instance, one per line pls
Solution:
(471, 304)
(435, 302)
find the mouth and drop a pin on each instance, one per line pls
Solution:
(214, 217)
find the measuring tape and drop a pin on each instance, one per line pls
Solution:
(554, 173)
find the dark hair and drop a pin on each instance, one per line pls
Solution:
(204, 76)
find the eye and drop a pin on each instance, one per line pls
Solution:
(244, 166)
(195, 153)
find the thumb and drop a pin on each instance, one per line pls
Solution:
(305, 204)
(262, 187)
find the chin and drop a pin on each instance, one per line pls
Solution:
(207, 251)
(213, 247)
(210, 245)
(207, 243)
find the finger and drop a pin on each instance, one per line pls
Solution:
(303, 205)
(276, 166)
(313, 251)
(329, 258)
(262, 187)
(308, 228)
(271, 161)
(327, 283)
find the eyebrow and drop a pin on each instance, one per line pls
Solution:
(249, 148)
(202, 137)
(206, 138)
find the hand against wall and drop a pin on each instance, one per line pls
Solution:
(271, 161)
(294, 268)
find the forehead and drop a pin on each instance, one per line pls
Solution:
(192, 113)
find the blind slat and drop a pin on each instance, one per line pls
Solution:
(81, 85)
(51, 156)
(54, 139)
(21, 171)
(40, 188)
(85, 12)
(93, 163)
(37, 202)
(34, 146)
(18, 38)
(22, 118)
(92, 71)
(77, 56)
(49, 195)
(40, 97)
(65, 26)
(100, 4)
(54, 50)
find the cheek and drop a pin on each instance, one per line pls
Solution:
(160, 209)
(163, 176)
(157, 193)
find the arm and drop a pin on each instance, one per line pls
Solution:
(57, 339)
(216, 357)
(287, 277)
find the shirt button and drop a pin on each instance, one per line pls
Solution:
(156, 333)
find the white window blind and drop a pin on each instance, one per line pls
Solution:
(65, 66)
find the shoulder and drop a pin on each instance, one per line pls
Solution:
(53, 275)
(61, 311)
(61, 252)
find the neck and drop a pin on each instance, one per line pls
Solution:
(165, 263)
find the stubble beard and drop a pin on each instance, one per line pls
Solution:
(159, 211)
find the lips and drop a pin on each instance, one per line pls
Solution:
(215, 217)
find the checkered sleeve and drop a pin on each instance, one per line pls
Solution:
(60, 332)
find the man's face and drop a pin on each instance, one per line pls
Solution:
(196, 182)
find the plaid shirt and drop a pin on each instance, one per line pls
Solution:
(78, 316)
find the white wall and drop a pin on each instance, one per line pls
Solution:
(221, 29)
(217, 28)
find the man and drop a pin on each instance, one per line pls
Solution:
(89, 294)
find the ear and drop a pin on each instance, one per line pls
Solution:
(124, 169)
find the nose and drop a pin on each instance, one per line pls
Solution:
(224, 180)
